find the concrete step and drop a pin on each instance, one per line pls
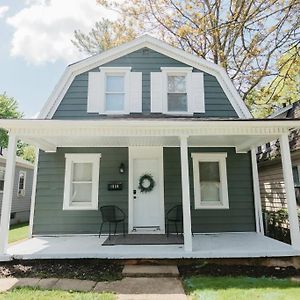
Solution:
(150, 271)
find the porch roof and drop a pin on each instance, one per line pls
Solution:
(131, 131)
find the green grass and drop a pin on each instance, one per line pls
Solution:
(245, 288)
(38, 294)
(18, 232)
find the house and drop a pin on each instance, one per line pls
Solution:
(145, 126)
(22, 188)
(271, 179)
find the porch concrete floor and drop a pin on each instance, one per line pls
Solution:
(219, 245)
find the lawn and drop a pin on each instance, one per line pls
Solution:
(38, 294)
(18, 232)
(246, 288)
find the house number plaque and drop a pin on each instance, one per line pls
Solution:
(115, 186)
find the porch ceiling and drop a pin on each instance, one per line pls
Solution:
(242, 134)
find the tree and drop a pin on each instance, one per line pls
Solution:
(8, 110)
(105, 35)
(283, 89)
(244, 37)
(27, 152)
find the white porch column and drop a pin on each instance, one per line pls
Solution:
(256, 192)
(7, 192)
(185, 184)
(290, 190)
(33, 193)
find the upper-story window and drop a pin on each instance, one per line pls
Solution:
(177, 93)
(114, 90)
(114, 93)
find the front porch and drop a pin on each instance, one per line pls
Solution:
(217, 245)
(179, 142)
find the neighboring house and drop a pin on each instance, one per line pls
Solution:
(22, 189)
(147, 108)
(271, 179)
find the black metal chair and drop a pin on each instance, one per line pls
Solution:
(174, 215)
(112, 214)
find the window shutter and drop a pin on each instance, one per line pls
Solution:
(195, 90)
(135, 91)
(156, 92)
(95, 102)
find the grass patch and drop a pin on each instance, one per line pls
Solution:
(246, 288)
(39, 294)
(18, 232)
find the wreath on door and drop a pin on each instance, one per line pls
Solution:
(146, 183)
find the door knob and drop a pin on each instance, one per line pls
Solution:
(134, 192)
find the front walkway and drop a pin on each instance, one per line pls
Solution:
(126, 289)
(219, 245)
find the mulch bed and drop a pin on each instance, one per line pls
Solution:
(85, 269)
(237, 270)
(107, 270)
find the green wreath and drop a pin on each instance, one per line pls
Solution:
(146, 183)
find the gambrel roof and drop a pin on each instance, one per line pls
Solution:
(145, 41)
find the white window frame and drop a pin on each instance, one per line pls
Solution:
(298, 170)
(23, 191)
(117, 71)
(2, 168)
(71, 158)
(171, 71)
(219, 157)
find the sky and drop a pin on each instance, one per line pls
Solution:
(35, 45)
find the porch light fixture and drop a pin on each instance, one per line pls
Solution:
(122, 168)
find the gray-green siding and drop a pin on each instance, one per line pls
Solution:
(239, 216)
(74, 103)
(49, 218)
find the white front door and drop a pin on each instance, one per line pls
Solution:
(146, 208)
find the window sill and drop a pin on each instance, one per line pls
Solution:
(179, 113)
(215, 206)
(80, 208)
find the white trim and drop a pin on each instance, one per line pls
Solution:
(8, 192)
(23, 191)
(290, 190)
(145, 152)
(125, 72)
(156, 45)
(170, 71)
(256, 193)
(94, 159)
(186, 198)
(33, 193)
(210, 157)
(176, 70)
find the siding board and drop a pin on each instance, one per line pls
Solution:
(49, 217)
(74, 103)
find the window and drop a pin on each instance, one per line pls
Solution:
(21, 184)
(81, 181)
(210, 180)
(114, 93)
(2, 175)
(177, 94)
(296, 176)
